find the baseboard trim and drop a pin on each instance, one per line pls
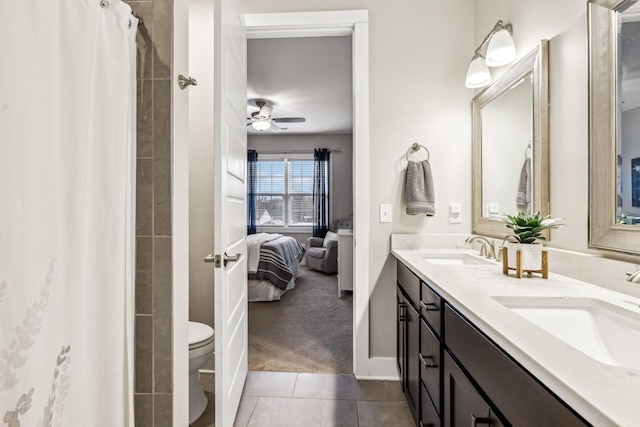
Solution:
(381, 368)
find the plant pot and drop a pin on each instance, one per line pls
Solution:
(531, 255)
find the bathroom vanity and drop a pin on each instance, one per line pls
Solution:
(471, 350)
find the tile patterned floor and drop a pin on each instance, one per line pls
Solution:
(283, 399)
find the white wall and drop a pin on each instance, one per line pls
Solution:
(564, 24)
(417, 94)
(341, 166)
(201, 161)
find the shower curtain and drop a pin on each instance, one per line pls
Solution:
(67, 100)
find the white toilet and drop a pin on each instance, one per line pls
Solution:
(201, 348)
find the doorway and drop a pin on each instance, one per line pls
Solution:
(273, 25)
(306, 85)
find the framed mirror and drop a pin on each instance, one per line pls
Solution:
(511, 144)
(614, 133)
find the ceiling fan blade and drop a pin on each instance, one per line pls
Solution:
(289, 120)
(277, 128)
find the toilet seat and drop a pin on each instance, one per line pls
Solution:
(200, 335)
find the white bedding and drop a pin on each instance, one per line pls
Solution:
(263, 290)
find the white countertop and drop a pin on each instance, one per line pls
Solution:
(604, 395)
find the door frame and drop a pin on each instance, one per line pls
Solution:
(354, 23)
(180, 216)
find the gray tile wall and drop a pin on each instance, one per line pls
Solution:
(153, 362)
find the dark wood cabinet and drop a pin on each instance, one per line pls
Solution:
(419, 350)
(519, 396)
(412, 358)
(430, 364)
(431, 308)
(408, 337)
(453, 375)
(400, 334)
(429, 417)
(464, 405)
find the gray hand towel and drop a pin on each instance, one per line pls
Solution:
(419, 189)
(523, 201)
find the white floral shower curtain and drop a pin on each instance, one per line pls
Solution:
(67, 100)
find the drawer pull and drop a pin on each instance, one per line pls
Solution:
(479, 420)
(403, 318)
(429, 306)
(424, 362)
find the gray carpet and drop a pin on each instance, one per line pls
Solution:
(309, 330)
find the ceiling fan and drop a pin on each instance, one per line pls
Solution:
(262, 121)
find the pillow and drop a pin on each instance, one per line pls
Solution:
(329, 237)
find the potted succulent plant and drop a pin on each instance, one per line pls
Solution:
(527, 234)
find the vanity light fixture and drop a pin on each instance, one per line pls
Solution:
(500, 51)
(261, 125)
(478, 74)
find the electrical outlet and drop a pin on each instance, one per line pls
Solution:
(385, 212)
(493, 208)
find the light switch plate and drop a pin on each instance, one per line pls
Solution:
(385, 212)
(455, 213)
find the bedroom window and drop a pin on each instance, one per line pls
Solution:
(285, 192)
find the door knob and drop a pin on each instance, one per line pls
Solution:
(222, 260)
(184, 82)
(227, 259)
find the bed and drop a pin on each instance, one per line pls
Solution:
(273, 265)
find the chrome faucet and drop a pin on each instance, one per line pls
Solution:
(486, 247)
(634, 277)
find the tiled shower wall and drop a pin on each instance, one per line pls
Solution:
(153, 361)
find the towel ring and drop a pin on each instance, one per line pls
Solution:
(415, 148)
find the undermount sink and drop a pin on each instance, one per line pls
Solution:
(601, 330)
(453, 258)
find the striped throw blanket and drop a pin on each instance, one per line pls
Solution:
(277, 258)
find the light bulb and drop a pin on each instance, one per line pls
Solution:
(478, 74)
(501, 50)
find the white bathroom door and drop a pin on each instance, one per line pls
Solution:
(230, 209)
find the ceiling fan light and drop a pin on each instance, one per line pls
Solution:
(501, 49)
(478, 74)
(261, 125)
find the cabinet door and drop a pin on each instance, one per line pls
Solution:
(431, 308)
(400, 335)
(518, 395)
(412, 359)
(429, 417)
(409, 282)
(430, 363)
(464, 406)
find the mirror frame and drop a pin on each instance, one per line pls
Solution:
(537, 63)
(604, 233)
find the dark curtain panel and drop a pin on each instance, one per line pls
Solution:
(321, 191)
(252, 188)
